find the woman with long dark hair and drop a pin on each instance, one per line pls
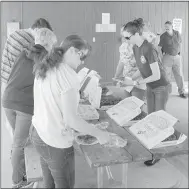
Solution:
(56, 99)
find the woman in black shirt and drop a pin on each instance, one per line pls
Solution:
(150, 68)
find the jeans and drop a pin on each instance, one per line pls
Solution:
(157, 98)
(139, 93)
(20, 123)
(58, 164)
(174, 64)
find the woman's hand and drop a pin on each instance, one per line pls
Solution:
(128, 82)
(104, 137)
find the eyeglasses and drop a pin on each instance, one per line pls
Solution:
(128, 38)
(82, 56)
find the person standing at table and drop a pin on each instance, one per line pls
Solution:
(127, 68)
(150, 68)
(170, 44)
(18, 102)
(16, 42)
(56, 100)
(17, 97)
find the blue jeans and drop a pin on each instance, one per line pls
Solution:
(58, 164)
(174, 64)
(20, 123)
(139, 93)
(157, 98)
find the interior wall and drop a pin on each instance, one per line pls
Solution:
(80, 17)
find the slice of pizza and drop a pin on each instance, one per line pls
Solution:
(86, 140)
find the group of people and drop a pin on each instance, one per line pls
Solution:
(41, 92)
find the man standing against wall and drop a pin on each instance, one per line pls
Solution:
(170, 42)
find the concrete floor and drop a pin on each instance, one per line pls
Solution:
(161, 175)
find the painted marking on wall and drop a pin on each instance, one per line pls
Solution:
(105, 26)
(177, 24)
(12, 27)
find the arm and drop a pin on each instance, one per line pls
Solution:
(155, 74)
(119, 69)
(179, 37)
(152, 60)
(5, 65)
(154, 77)
(136, 75)
(160, 46)
(69, 109)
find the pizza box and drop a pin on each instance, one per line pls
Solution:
(87, 112)
(125, 110)
(108, 100)
(178, 139)
(141, 116)
(154, 128)
(82, 75)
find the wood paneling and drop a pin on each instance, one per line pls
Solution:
(80, 17)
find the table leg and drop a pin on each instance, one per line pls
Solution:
(100, 177)
(124, 174)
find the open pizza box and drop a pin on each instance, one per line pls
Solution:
(89, 86)
(87, 112)
(125, 110)
(139, 117)
(155, 128)
(178, 139)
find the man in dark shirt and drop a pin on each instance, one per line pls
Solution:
(170, 42)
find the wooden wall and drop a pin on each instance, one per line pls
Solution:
(80, 17)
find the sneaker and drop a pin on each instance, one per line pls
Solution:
(182, 95)
(23, 184)
(25, 178)
(151, 162)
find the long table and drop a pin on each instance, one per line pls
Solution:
(99, 157)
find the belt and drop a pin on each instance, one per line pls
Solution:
(171, 54)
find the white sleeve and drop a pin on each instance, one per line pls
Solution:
(67, 79)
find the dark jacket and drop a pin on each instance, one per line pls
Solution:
(18, 94)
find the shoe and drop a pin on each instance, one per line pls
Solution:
(182, 95)
(25, 178)
(23, 184)
(151, 162)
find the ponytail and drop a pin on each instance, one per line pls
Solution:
(135, 26)
(47, 62)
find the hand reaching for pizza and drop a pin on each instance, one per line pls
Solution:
(128, 82)
(104, 137)
(116, 142)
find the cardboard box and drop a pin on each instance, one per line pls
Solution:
(154, 128)
(125, 110)
(180, 137)
(87, 112)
